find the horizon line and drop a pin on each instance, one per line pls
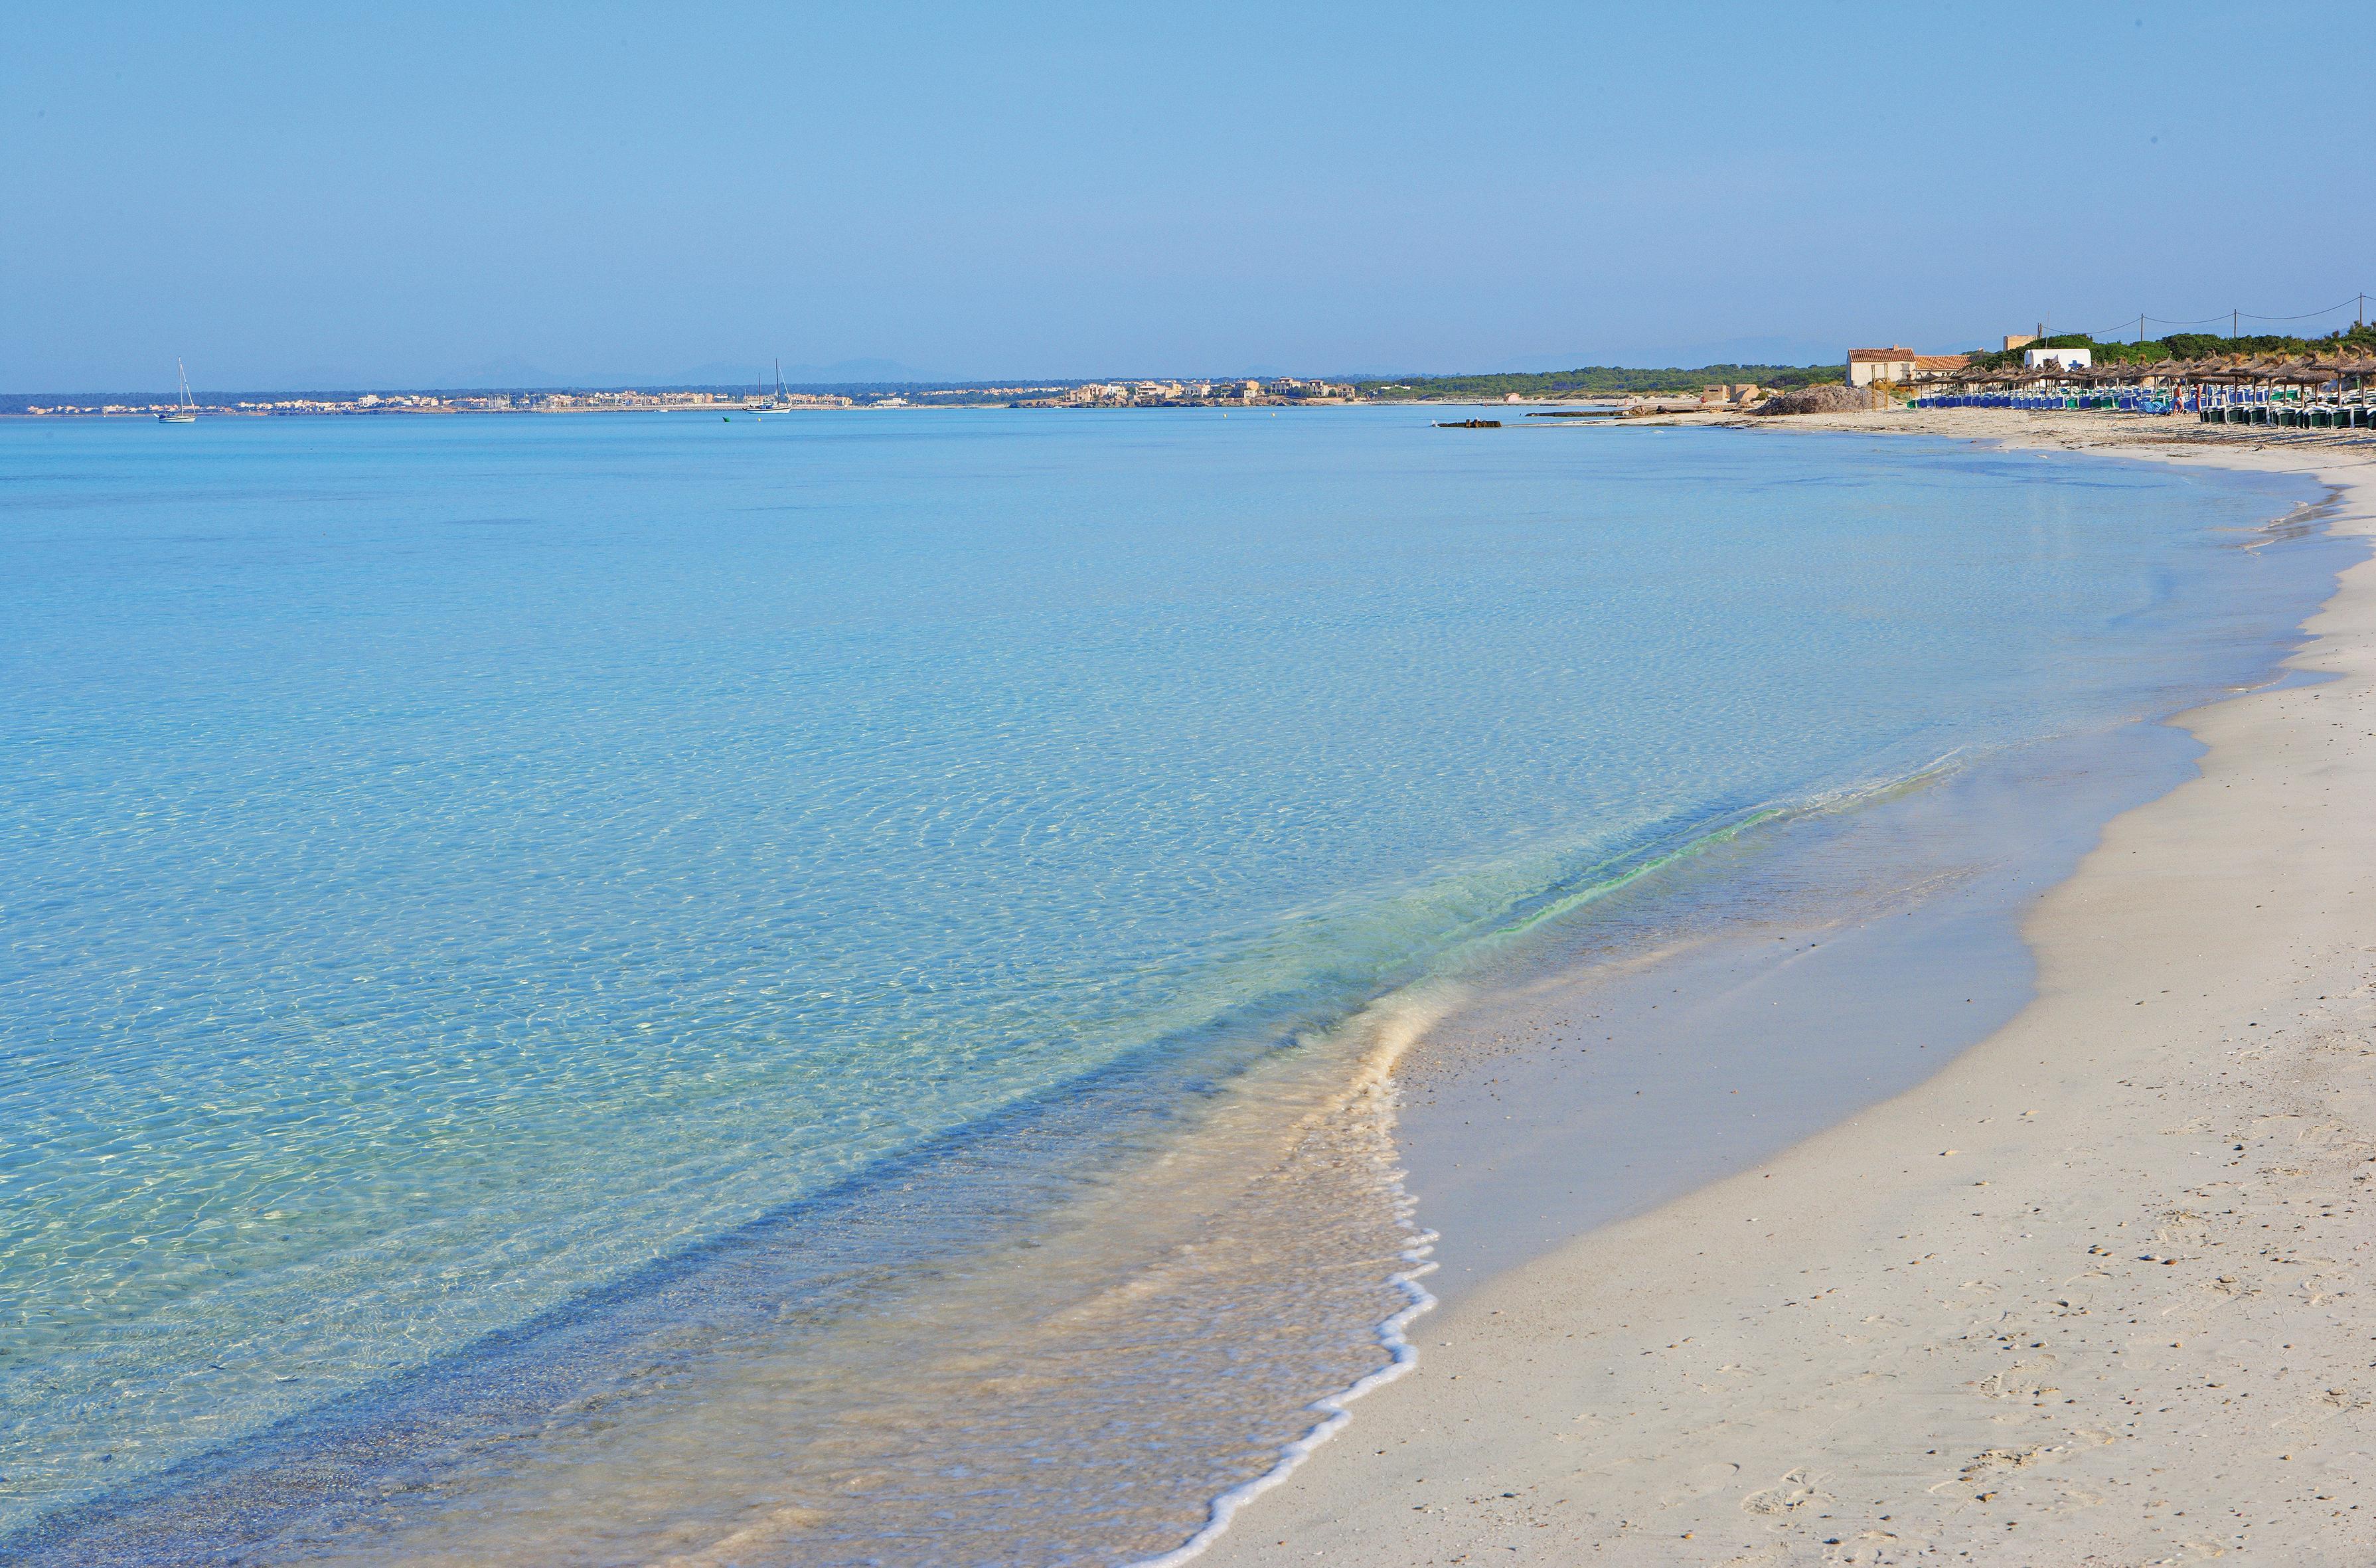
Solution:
(952, 385)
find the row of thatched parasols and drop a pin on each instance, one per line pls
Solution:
(2223, 370)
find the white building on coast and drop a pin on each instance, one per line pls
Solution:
(2057, 359)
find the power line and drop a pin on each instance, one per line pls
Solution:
(2328, 311)
(2236, 319)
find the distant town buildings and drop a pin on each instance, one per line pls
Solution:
(1313, 391)
(2058, 359)
(1201, 394)
(1097, 394)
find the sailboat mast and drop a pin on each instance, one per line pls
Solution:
(184, 411)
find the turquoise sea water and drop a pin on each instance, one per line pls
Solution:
(486, 897)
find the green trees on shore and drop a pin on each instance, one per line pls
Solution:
(1597, 381)
(1627, 381)
(2189, 346)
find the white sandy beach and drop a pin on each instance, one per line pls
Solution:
(2096, 1293)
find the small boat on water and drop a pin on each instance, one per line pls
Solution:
(186, 411)
(1469, 424)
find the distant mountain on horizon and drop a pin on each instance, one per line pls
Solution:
(508, 371)
(512, 373)
(1726, 351)
(840, 373)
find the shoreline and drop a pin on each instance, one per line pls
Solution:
(1510, 1437)
(1850, 954)
(700, 1478)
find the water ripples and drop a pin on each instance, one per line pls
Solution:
(418, 931)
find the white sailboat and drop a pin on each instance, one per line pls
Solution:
(186, 412)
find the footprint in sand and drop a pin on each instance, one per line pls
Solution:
(2024, 1379)
(1796, 1490)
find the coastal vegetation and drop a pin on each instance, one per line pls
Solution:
(2186, 346)
(1595, 381)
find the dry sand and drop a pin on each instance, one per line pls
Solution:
(2098, 1292)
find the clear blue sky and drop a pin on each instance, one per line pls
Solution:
(418, 194)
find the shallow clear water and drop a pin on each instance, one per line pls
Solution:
(661, 960)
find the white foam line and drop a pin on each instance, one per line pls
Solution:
(1403, 1355)
(1396, 1021)
(1401, 1020)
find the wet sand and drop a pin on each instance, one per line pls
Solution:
(2090, 1294)
(1837, 963)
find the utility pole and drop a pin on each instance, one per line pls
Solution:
(2141, 327)
(2234, 319)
